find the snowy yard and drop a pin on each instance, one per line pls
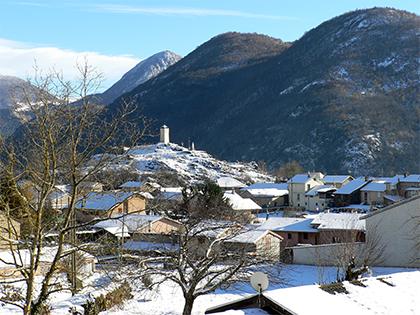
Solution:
(168, 298)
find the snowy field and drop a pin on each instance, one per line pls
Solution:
(168, 298)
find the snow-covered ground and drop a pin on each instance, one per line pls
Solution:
(191, 165)
(168, 299)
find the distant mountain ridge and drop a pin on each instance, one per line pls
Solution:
(143, 71)
(11, 117)
(343, 98)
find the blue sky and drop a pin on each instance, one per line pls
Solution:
(120, 33)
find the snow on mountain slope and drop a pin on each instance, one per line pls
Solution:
(190, 165)
(143, 71)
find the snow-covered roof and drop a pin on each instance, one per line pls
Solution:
(375, 186)
(132, 184)
(299, 179)
(239, 203)
(413, 178)
(147, 246)
(319, 189)
(333, 179)
(129, 223)
(267, 189)
(352, 186)
(229, 182)
(396, 293)
(288, 225)
(339, 221)
(104, 200)
(393, 198)
(250, 236)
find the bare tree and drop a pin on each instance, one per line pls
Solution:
(211, 249)
(54, 148)
(346, 246)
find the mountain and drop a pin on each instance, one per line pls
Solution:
(342, 98)
(189, 165)
(12, 106)
(143, 71)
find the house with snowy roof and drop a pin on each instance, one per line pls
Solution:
(350, 192)
(339, 227)
(374, 192)
(409, 185)
(299, 185)
(107, 203)
(135, 225)
(395, 293)
(267, 195)
(337, 180)
(239, 203)
(229, 183)
(319, 197)
(293, 231)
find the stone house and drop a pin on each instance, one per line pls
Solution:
(337, 181)
(109, 203)
(299, 185)
(320, 197)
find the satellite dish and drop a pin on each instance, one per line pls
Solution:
(259, 281)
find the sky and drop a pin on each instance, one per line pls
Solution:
(114, 35)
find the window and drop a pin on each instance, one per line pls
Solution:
(308, 187)
(289, 236)
(316, 203)
(305, 236)
(298, 196)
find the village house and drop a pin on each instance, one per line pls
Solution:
(269, 196)
(293, 231)
(396, 228)
(374, 193)
(108, 203)
(136, 225)
(350, 193)
(299, 185)
(229, 183)
(392, 294)
(339, 227)
(320, 197)
(238, 203)
(235, 238)
(409, 185)
(337, 181)
(262, 243)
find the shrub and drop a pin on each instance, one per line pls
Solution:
(105, 302)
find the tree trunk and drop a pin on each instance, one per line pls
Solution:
(189, 302)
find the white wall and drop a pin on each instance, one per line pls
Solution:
(325, 255)
(398, 230)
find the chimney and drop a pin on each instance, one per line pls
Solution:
(164, 134)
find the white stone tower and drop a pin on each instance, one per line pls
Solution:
(164, 134)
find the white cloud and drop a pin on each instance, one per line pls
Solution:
(18, 59)
(116, 8)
